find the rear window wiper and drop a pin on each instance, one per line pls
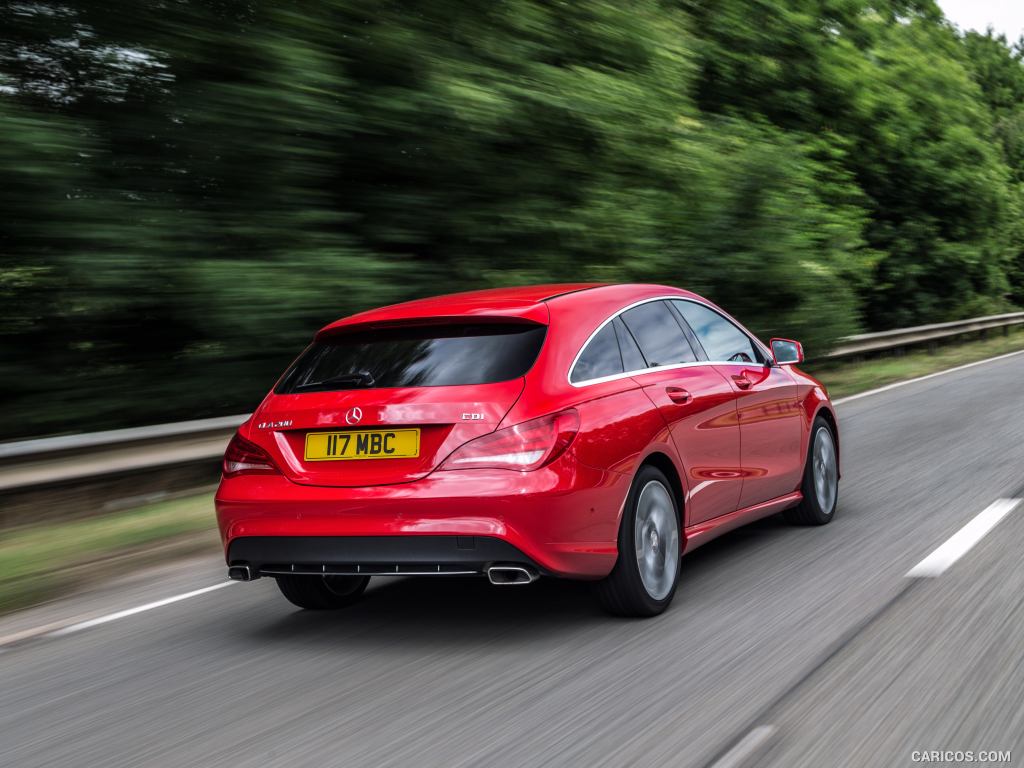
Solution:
(357, 378)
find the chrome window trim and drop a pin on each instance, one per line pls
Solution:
(674, 366)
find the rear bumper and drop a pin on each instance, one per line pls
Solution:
(563, 519)
(373, 555)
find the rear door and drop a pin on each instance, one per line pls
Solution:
(388, 405)
(697, 403)
(767, 406)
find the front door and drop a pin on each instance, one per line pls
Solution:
(766, 401)
(771, 428)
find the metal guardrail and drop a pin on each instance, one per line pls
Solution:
(905, 337)
(61, 460)
(45, 446)
(50, 461)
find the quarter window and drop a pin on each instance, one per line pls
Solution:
(722, 340)
(659, 334)
(632, 360)
(600, 358)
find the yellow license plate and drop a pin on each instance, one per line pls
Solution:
(368, 444)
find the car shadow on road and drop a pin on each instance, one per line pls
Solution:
(469, 609)
(436, 610)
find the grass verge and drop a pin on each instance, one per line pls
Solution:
(849, 378)
(40, 561)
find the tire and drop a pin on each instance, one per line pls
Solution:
(318, 593)
(644, 584)
(820, 485)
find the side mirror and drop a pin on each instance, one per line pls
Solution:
(787, 351)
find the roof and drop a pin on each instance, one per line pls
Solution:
(523, 303)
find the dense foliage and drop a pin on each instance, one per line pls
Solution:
(189, 189)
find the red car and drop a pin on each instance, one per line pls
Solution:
(581, 431)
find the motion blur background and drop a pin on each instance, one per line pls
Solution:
(190, 189)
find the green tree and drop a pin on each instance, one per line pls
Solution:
(192, 189)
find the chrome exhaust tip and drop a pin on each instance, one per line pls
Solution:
(241, 573)
(502, 575)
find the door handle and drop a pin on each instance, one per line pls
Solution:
(742, 381)
(677, 394)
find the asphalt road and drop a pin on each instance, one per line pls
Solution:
(784, 647)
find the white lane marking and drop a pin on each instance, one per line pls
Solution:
(746, 747)
(138, 609)
(894, 385)
(960, 543)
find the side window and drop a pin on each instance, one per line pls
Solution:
(632, 359)
(599, 358)
(659, 335)
(722, 340)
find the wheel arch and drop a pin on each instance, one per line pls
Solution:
(664, 463)
(826, 413)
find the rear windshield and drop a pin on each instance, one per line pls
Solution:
(422, 356)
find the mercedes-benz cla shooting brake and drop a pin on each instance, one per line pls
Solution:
(591, 432)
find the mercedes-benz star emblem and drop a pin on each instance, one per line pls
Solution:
(354, 415)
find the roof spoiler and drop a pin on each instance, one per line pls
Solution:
(342, 328)
(498, 312)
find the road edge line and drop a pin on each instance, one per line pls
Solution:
(897, 384)
(77, 624)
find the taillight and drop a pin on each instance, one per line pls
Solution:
(525, 446)
(242, 456)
